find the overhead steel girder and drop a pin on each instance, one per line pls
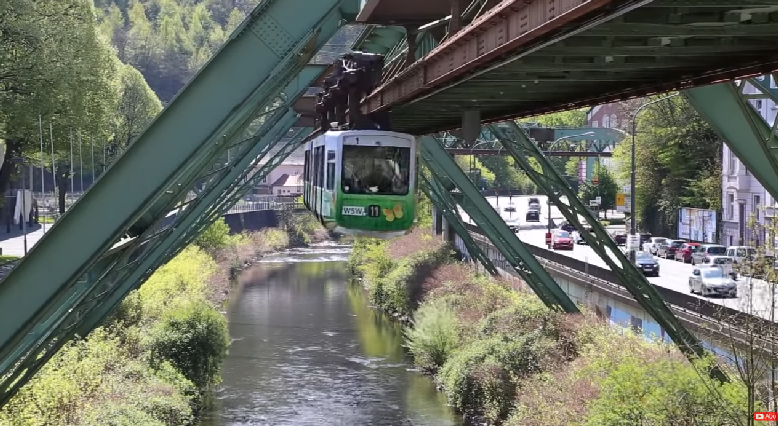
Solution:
(728, 111)
(441, 165)
(548, 179)
(101, 297)
(150, 170)
(443, 201)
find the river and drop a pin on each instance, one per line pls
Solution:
(308, 350)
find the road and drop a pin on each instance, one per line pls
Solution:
(753, 295)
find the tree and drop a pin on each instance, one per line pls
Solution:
(137, 107)
(606, 189)
(56, 66)
(677, 164)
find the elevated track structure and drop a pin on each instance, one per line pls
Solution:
(432, 68)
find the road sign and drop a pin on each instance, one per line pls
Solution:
(594, 203)
(621, 202)
(598, 199)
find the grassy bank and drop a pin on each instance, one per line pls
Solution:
(502, 357)
(153, 362)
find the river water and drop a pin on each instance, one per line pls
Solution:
(307, 350)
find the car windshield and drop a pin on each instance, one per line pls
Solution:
(660, 240)
(713, 273)
(563, 234)
(717, 250)
(744, 252)
(677, 244)
(379, 170)
(643, 256)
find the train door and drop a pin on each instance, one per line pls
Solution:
(328, 197)
(307, 177)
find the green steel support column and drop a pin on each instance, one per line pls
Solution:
(441, 164)
(744, 130)
(110, 297)
(519, 145)
(449, 210)
(263, 48)
(34, 341)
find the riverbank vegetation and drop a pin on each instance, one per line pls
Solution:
(158, 355)
(501, 356)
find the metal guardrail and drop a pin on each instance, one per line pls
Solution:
(244, 207)
(699, 307)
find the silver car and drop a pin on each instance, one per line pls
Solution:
(709, 281)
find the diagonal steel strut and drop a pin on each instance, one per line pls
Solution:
(447, 206)
(442, 165)
(521, 147)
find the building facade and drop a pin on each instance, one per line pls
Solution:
(743, 198)
(287, 172)
(609, 116)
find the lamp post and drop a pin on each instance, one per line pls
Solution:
(632, 218)
(25, 216)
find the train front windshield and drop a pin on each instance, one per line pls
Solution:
(376, 170)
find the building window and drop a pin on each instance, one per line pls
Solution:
(758, 104)
(756, 206)
(614, 121)
(732, 163)
(731, 206)
(595, 123)
(606, 121)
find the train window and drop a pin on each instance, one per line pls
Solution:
(320, 166)
(307, 164)
(330, 170)
(376, 170)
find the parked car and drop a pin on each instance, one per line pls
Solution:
(712, 281)
(667, 250)
(533, 216)
(741, 253)
(684, 253)
(725, 263)
(561, 240)
(652, 245)
(646, 263)
(705, 251)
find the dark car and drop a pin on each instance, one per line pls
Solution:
(646, 263)
(533, 200)
(620, 238)
(668, 250)
(644, 238)
(533, 216)
(567, 226)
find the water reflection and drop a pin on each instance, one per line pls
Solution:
(308, 351)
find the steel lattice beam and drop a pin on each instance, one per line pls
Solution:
(442, 166)
(443, 201)
(728, 111)
(53, 289)
(548, 179)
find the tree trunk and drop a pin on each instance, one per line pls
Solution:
(13, 148)
(63, 178)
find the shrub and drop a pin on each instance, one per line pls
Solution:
(194, 339)
(433, 335)
(480, 379)
(214, 237)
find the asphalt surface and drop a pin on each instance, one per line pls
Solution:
(753, 295)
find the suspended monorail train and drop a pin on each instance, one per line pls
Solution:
(362, 182)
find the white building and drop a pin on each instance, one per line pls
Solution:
(742, 195)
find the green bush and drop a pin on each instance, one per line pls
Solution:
(480, 379)
(433, 335)
(194, 339)
(214, 237)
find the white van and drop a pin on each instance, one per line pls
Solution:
(741, 253)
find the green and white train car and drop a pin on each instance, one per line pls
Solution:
(362, 182)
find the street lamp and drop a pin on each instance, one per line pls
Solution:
(632, 218)
(25, 216)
